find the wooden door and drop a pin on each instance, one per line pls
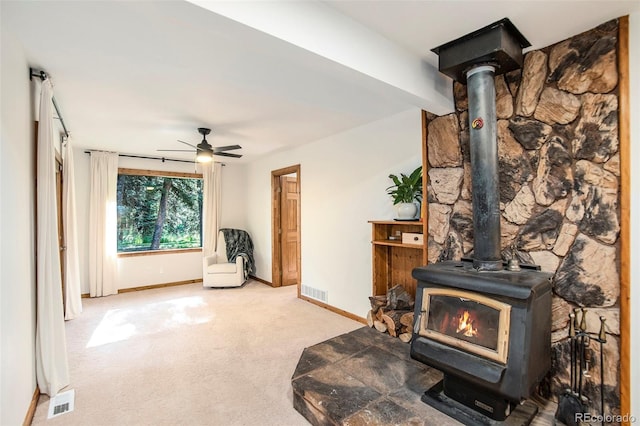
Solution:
(285, 227)
(289, 204)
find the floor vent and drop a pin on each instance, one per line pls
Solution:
(61, 403)
(59, 409)
(314, 293)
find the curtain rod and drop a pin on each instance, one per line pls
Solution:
(163, 159)
(43, 76)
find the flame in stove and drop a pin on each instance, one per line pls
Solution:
(465, 325)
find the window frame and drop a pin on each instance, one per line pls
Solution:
(160, 173)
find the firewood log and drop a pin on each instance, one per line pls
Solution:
(405, 337)
(370, 317)
(407, 319)
(392, 320)
(377, 302)
(399, 298)
(380, 326)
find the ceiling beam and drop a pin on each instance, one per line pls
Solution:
(324, 31)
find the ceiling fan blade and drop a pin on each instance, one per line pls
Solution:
(226, 148)
(175, 150)
(187, 143)
(227, 154)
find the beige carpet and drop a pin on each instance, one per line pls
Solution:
(191, 356)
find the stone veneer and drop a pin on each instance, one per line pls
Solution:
(559, 188)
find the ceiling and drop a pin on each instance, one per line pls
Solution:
(135, 77)
(430, 23)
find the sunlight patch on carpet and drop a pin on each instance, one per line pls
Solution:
(121, 324)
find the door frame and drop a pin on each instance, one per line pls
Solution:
(276, 245)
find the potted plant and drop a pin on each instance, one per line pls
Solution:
(405, 191)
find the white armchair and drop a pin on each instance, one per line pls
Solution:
(218, 272)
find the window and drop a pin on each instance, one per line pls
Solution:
(158, 211)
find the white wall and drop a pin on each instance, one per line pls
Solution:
(343, 180)
(17, 235)
(634, 73)
(158, 268)
(234, 198)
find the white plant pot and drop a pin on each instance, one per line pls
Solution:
(406, 211)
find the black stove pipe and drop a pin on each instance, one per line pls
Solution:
(475, 59)
(484, 168)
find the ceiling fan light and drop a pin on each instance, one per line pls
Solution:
(204, 157)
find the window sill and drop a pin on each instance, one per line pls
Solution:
(157, 252)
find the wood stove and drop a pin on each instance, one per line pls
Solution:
(488, 332)
(486, 327)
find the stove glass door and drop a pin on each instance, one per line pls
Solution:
(467, 321)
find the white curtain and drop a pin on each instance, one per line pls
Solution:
(72, 285)
(52, 368)
(211, 191)
(103, 224)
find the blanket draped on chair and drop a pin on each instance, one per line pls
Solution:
(239, 243)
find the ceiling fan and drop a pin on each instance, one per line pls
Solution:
(204, 151)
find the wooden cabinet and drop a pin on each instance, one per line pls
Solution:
(393, 261)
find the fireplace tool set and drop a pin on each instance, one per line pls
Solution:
(573, 402)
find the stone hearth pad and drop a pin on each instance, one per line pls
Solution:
(367, 378)
(364, 378)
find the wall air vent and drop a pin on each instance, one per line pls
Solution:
(314, 293)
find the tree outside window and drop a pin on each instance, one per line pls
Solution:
(158, 212)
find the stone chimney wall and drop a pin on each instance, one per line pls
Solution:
(559, 189)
